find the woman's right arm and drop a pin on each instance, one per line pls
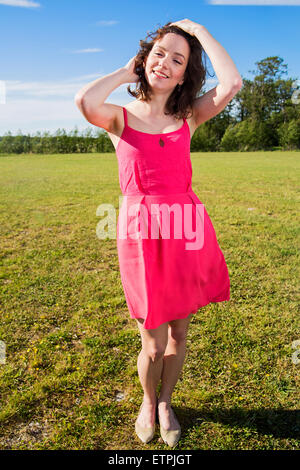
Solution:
(90, 99)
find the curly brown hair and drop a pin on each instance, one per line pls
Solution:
(181, 99)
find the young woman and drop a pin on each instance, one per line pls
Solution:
(164, 282)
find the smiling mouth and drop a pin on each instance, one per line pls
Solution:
(159, 76)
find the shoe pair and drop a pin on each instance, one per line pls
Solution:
(170, 437)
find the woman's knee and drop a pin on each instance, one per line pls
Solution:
(155, 351)
(154, 341)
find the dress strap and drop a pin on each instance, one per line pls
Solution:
(125, 115)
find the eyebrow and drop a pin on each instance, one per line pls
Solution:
(176, 53)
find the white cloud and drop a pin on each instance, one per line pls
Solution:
(23, 111)
(32, 115)
(60, 88)
(107, 23)
(86, 51)
(256, 2)
(20, 3)
(33, 106)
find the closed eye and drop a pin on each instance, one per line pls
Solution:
(157, 53)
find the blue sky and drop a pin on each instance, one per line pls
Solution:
(49, 49)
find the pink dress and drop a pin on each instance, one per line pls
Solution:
(168, 275)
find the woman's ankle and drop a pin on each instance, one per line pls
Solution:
(165, 400)
(150, 400)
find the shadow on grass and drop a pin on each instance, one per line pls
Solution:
(278, 423)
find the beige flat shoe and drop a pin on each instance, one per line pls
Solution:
(144, 434)
(172, 436)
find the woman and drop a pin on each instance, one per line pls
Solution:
(163, 281)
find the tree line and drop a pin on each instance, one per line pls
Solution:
(263, 115)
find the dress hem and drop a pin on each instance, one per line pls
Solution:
(216, 299)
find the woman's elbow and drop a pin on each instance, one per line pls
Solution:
(238, 83)
(78, 99)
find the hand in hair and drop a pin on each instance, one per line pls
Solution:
(188, 26)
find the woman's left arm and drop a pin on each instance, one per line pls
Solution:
(215, 100)
(222, 63)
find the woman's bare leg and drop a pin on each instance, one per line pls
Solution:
(150, 363)
(172, 365)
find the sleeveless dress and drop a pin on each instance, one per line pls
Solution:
(166, 274)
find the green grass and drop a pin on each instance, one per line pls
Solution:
(71, 345)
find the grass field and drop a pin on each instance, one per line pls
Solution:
(70, 377)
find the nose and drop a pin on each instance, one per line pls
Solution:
(163, 64)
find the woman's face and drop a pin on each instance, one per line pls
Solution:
(170, 56)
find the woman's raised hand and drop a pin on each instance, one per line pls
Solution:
(188, 26)
(130, 67)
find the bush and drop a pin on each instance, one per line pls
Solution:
(289, 134)
(248, 135)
